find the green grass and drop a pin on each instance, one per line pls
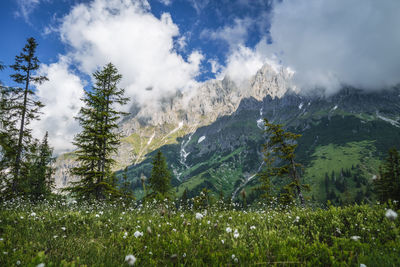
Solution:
(63, 234)
(335, 158)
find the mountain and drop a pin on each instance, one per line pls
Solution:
(212, 137)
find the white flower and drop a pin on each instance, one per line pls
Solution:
(63, 228)
(391, 214)
(18, 262)
(137, 234)
(355, 237)
(184, 255)
(236, 234)
(228, 230)
(130, 259)
(40, 265)
(33, 214)
(97, 216)
(199, 216)
(297, 219)
(223, 241)
(233, 256)
(125, 235)
(252, 227)
(174, 230)
(363, 265)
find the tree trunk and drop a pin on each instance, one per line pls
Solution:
(21, 131)
(297, 180)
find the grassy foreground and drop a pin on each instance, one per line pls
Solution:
(68, 234)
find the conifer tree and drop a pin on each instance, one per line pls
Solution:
(160, 179)
(40, 175)
(281, 145)
(387, 186)
(98, 139)
(25, 107)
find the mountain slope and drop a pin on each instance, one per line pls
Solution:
(349, 129)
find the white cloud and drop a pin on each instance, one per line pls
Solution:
(61, 96)
(26, 7)
(166, 2)
(139, 44)
(125, 33)
(329, 43)
(242, 63)
(235, 34)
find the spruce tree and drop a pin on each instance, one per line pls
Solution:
(24, 108)
(281, 145)
(99, 139)
(387, 186)
(40, 175)
(160, 179)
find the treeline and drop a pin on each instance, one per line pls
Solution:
(25, 162)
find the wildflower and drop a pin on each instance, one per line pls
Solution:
(149, 230)
(228, 230)
(297, 219)
(33, 214)
(252, 227)
(199, 216)
(355, 237)
(363, 265)
(40, 265)
(174, 230)
(130, 259)
(391, 214)
(18, 262)
(63, 228)
(223, 241)
(137, 234)
(97, 215)
(236, 234)
(125, 235)
(233, 256)
(184, 255)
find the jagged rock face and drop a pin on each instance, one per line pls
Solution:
(150, 127)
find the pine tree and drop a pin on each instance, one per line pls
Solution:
(160, 179)
(387, 186)
(40, 176)
(125, 187)
(281, 145)
(98, 140)
(25, 107)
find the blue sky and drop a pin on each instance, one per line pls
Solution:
(21, 19)
(170, 45)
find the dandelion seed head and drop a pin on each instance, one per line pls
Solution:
(130, 259)
(391, 214)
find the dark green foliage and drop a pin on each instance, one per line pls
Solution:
(387, 186)
(125, 186)
(98, 139)
(160, 179)
(27, 108)
(281, 145)
(19, 107)
(41, 171)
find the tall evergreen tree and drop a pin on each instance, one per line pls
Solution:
(281, 145)
(160, 179)
(25, 107)
(387, 186)
(98, 139)
(40, 175)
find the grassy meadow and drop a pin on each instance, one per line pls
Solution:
(66, 233)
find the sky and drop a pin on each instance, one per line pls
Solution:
(161, 46)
